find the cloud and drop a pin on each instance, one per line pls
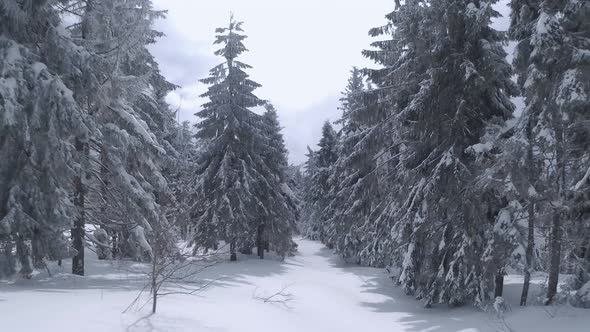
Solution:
(305, 125)
(187, 101)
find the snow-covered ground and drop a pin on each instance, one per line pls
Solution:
(322, 294)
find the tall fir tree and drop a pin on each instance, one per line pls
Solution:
(282, 222)
(552, 38)
(353, 188)
(41, 126)
(179, 173)
(104, 125)
(236, 190)
(319, 169)
(463, 83)
(121, 189)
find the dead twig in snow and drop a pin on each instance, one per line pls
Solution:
(282, 297)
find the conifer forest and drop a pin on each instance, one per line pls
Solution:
(383, 165)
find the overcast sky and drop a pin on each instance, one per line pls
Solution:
(301, 51)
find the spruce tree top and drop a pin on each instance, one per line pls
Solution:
(231, 91)
(327, 153)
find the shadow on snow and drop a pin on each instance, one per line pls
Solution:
(414, 316)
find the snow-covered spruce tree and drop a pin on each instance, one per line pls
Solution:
(40, 128)
(353, 189)
(319, 169)
(375, 161)
(307, 207)
(280, 225)
(352, 103)
(403, 55)
(446, 76)
(523, 147)
(553, 67)
(521, 164)
(572, 94)
(504, 186)
(236, 189)
(120, 87)
(295, 180)
(179, 173)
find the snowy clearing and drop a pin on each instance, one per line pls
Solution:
(321, 293)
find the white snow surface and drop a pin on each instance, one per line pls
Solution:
(327, 295)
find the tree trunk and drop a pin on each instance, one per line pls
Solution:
(104, 184)
(260, 241)
(115, 244)
(79, 223)
(115, 240)
(261, 252)
(555, 244)
(532, 177)
(37, 251)
(232, 252)
(154, 302)
(554, 264)
(23, 254)
(183, 232)
(529, 254)
(154, 283)
(499, 283)
(158, 253)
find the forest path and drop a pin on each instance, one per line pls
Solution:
(330, 295)
(323, 294)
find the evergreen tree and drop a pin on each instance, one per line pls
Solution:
(353, 102)
(277, 152)
(41, 126)
(463, 84)
(553, 74)
(237, 190)
(121, 188)
(179, 172)
(296, 183)
(327, 154)
(353, 189)
(308, 207)
(280, 226)
(504, 186)
(319, 169)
